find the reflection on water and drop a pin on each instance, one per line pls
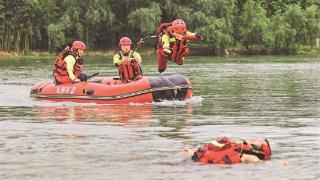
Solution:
(239, 99)
(93, 113)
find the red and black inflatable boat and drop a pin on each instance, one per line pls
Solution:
(110, 90)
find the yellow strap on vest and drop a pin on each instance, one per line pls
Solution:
(172, 39)
(216, 143)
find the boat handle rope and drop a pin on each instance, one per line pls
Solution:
(175, 88)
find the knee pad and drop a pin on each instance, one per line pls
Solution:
(83, 77)
(163, 54)
(179, 61)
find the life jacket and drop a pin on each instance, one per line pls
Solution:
(178, 47)
(217, 153)
(164, 28)
(129, 70)
(60, 66)
(263, 152)
(223, 151)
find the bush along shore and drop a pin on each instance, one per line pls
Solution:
(246, 26)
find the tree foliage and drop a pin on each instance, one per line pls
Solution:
(254, 25)
(146, 20)
(272, 26)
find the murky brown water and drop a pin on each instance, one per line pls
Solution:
(264, 97)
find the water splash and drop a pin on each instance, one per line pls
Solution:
(195, 101)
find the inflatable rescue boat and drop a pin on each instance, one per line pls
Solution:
(111, 90)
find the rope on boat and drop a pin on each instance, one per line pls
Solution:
(175, 88)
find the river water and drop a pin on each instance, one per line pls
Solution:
(247, 97)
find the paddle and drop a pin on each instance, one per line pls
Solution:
(147, 37)
(142, 41)
(93, 75)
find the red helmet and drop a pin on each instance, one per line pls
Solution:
(266, 149)
(179, 26)
(79, 45)
(125, 41)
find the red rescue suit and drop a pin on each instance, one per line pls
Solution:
(179, 48)
(60, 72)
(229, 153)
(129, 70)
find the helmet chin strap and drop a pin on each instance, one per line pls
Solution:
(125, 53)
(76, 51)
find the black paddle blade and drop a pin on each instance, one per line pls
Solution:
(91, 76)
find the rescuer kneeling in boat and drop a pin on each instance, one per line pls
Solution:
(172, 43)
(69, 64)
(226, 151)
(128, 61)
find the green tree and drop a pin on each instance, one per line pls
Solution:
(312, 23)
(283, 35)
(295, 17)
(80, 20)
(213, 20)
(98, 17)
(18, 24)
(146, 20)
(173, 9)
(254, 26)
(272, 25)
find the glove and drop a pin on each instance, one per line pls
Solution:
(198, 36)
(167, 51)
(178, 36)
(80, 60)
(76, 80)
(192, 37)
(132, 59)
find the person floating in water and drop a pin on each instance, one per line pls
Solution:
(226, 151)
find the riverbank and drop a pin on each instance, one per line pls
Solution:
(107, 53)
(195, 51)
